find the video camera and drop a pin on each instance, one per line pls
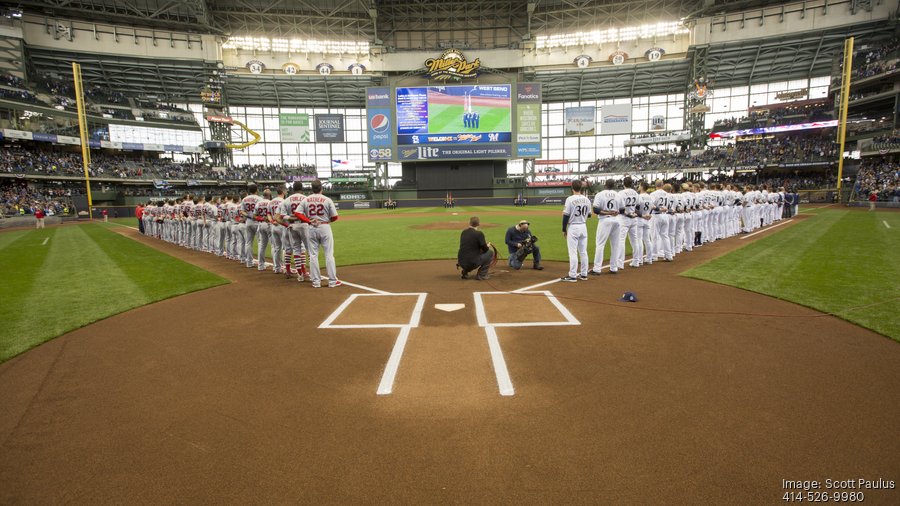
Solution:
(527, 247)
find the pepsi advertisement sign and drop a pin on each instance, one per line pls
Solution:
(379, 127)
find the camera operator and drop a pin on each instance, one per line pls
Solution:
(521, 243)
(474, 251)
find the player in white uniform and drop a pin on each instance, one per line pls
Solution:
(628, 223)
(660, 221)
(251, 226)
(688, 202)
(606, 207)
(678, 230)
(747, 210)
(574, 227)
(319, 212)
(644, 251)
(261, 216)
(295, 235)
(277, 233)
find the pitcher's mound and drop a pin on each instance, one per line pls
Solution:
(449, 225)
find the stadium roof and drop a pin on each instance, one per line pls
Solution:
(477, 24)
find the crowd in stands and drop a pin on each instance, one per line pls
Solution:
(61, 94)
(68, 163)
(877, 60)
(102, 95)
(790, 183)
(20, 198)
(11, 81)
(756, 153)
(880, 175)
(892, 138)
(787, 115)
(19, 95)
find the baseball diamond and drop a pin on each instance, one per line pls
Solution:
(330, 252)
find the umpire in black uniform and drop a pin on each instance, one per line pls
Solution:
(474, 251)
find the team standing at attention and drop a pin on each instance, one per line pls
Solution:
(658, 225)
(226, 226)
(661, 224)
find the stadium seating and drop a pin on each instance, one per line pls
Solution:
(880, 174)
(21, 198)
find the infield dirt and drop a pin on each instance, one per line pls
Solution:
(698, 393)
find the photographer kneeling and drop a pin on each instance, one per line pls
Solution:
(474, 251)
(521, 244)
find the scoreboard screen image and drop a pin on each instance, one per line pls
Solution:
(459, 122)
(473, 114)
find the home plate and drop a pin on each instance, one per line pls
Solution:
(449, 307)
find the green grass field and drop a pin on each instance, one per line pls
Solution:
(445, 118)
(62, 278)
(834, 261)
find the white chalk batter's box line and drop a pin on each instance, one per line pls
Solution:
(483, 319)
(414, 318)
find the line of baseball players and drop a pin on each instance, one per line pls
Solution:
(662, 223)
(226, 226)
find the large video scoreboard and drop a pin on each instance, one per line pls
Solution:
(466, 122)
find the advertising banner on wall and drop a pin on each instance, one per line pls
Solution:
(528, 120)
(329, 128)
(615, 119)
(380, 123)
(580, 120)
(294, 127)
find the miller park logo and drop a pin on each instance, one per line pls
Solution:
(451, 64)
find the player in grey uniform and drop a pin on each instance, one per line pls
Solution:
(606, 207)
(219, 242)
(237, 230)
(277, 232)
(147, 218)
(574, 227)
(251, 226)
(264, 229)
(295, 235)
(187, 213)
(319, 212)
(197, 216)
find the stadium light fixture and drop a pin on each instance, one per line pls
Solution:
(597, 37)
(265, 44)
